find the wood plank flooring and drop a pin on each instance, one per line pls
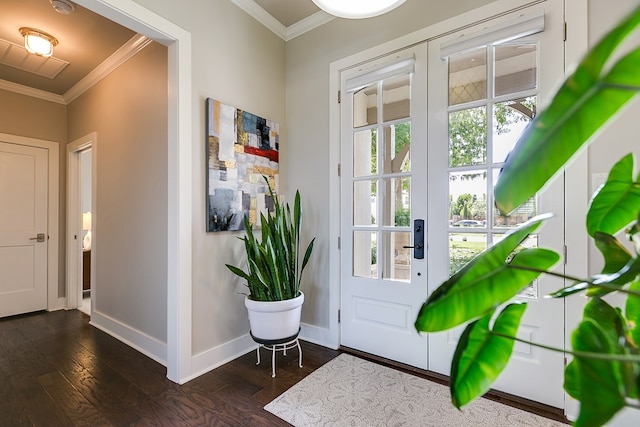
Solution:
(57, 370)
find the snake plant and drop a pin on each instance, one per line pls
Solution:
(274, 265)
(604, 374)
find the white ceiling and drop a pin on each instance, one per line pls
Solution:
(88, 41)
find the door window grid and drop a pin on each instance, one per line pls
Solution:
(381, 178)
(478, 144)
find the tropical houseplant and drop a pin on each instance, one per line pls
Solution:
(275, 269)
(604, 374)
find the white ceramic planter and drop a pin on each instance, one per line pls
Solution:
(273, 320)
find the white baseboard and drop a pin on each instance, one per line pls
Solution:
(145, 344)
(208, 360)
(318, 335)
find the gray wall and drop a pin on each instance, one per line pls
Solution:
(128, 111)
(241, 63)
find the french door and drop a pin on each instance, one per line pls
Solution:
(383, 200)
(484, 86)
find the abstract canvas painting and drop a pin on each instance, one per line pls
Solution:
(241, 149)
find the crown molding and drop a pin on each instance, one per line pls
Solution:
(29, 91)
(262, 16)
(285, 33)
(307, 24)
(119, 57)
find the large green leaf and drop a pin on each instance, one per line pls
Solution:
(610, 321)
(618, 279)
(492, 278)
(614, 253)
(632, 311)
(618, 202)
(596, 383)
(481, 356)
(580, 107)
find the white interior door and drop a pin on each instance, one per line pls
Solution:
(383, 193)
(497, 79)
(23, 229)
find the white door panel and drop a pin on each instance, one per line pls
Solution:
(23, 216)
(382, 193)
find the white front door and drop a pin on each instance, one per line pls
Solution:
(383, 189)
(484, 85)
(23, 229)
(482, 93)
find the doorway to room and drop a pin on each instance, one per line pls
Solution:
(81, 158)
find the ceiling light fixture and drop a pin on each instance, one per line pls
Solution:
(356, 9)
(38, 42)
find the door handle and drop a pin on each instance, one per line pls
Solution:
(39, 238)
(418, 239)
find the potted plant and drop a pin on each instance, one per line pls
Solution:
(274, 272)
(604, 374)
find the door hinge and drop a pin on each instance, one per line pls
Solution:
(564, 254)
(339, 169)
(339, 97)
(565, 31)
(338, 315)
(339, 242)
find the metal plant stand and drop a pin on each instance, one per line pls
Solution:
(282, 345)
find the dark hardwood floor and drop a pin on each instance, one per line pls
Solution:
(57, 370)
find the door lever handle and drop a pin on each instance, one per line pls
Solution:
(413, 247)
(39, 238)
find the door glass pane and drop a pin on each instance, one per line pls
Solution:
(396, 260)
(397, 202)
(510, 119)
(365, 203)
(463, 247)
(396, 98)
(397, 148)
(468, 137)
(468, 199)
(364, 152)
(365, 106)
(365, 254)
(522, 214)
(468, 76)
(515, 68)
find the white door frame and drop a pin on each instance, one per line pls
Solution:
(179, 201)
(54, 302)
(74, 231)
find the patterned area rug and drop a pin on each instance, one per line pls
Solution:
(348, 391)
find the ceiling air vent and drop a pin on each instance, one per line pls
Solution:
(15, 55)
